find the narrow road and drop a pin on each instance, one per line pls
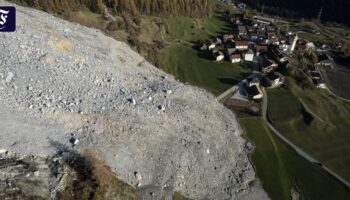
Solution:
(299, 151)
(226, 93)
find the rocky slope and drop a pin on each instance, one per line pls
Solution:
(64, 86)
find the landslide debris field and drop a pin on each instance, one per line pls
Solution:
(64, 86)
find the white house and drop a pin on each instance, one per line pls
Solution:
(325, 60)
(310, 45)
(219, 56)
(235, 58)
(274, 79)
(211, 46)
(284, 47)
(319, 83)
(249, 56)
(321, 86)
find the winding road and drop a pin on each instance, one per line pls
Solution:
(298, 150)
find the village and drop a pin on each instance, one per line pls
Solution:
(260, 44)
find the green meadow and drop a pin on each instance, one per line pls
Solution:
(317, 122)
(280, 169)
(199, 69)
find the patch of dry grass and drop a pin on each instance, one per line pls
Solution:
(92, 179)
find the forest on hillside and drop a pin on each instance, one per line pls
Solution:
(125, 19)
(192, 8)
(329, 10)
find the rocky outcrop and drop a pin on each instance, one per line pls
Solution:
(64, 86)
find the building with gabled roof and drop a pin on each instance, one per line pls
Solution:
(235, 58)
(219, 56)
(249, 55)
(242, 45)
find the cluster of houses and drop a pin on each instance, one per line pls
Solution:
(323, 59)
(250, 39)
(257, 42)
(253, 84)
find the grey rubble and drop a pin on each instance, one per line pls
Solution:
(65, 85)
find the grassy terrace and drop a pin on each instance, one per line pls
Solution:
(180, 29)
(189, 65)
(315, 38)
(188, 29)
(280, 168)
(315, 121)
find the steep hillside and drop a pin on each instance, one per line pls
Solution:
(65, 88)
(141, 23)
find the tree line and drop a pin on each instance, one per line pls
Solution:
(192, 8)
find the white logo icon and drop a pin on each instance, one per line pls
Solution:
(3, 18)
